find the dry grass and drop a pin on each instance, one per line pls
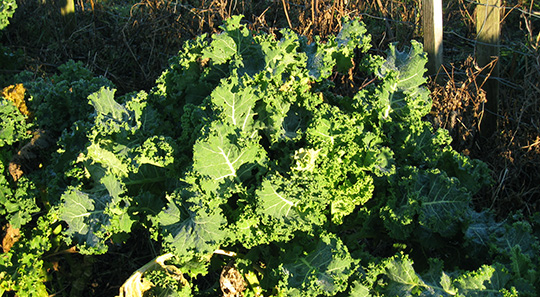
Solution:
(457, 104)
(513, 152)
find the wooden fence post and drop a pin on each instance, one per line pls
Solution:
(67, 10)
(433, 34)
(488, 30)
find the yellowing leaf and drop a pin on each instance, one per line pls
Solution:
(15, 94)
(136, 285)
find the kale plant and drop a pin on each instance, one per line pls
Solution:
(247, 148)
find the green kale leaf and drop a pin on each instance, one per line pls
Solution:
(323, 271)
(191, 229)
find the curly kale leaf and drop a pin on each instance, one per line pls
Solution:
(156, 150)
(105, 105)
(441, 204)
(188, 80)
(352, 36)
(17, 193)
(486, 281)
(347, 154)
(221, 49)
(319, 59)
(331, 127)
(337, 52)
(224, 154)
(276, 203)
(402, 92)
(116, 143)
(519, 234)
(23, 268)
(236, 103)
(111, 116)
(93, 216)
(13, 124)
(18, 201)
(86, 219)
(237, 46)
(404, 281)
(7, 9)
(347, 143)
(323, 270)
(122, 170)
(472, 174)
(418, 145)
(512, 244)
(444, 204)
(192, 229)
(289, 205)
(281, 57)
(59, 102)
(409, 66)
(401, 279)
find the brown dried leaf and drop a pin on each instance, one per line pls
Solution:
(11, 236)
(232, 282)
(15, 170)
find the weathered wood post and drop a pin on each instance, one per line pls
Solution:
(488, 30)
(68, 7)
(433, 34)
(67, 10)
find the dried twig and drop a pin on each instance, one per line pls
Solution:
(286, 13)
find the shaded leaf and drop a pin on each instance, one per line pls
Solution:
(325, 270)
(198, 231)
(93, 216)
(86, 218)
